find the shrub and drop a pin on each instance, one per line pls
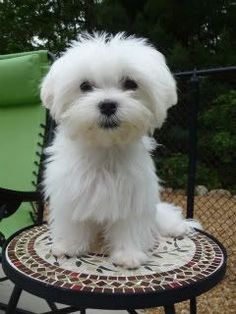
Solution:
(217, 138)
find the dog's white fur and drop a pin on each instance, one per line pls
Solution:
(104, 178)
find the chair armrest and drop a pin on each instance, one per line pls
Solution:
(11, 200)
(7, 195)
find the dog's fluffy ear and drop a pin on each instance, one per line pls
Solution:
(170, 84)
(46, 92)
(163, 86)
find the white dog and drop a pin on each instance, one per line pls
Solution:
(107, 93)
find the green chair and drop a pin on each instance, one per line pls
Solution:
(24, 130)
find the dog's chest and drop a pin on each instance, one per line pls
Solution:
(109, 171)
(110, 185)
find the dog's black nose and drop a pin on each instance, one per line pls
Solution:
(107, 107)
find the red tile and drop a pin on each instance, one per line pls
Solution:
(76, 287)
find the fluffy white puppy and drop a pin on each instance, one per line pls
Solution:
(106, 94)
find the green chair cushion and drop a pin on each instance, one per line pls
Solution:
(20, 78)
(19, 129)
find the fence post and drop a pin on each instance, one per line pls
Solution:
(192, 142)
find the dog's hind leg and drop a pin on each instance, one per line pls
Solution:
(170, 221)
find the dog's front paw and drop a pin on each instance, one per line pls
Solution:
(61, 248)
(130, 259)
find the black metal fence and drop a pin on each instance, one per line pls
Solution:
(197, 175)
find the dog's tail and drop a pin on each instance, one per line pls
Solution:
(170, 221)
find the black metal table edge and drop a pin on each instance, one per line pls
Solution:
(109, 301)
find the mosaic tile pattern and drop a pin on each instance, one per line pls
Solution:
(173, 263)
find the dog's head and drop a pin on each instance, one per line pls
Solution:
(109, 89)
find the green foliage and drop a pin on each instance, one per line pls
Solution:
(221, 114)
(28, 24)
(173, 170)
(190, 33)
(224, 145)
(179, 56)
(208, 176)
(217, 138)
(216, 142)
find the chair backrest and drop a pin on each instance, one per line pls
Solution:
(22, 118)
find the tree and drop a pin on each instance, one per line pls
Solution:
(190, 32)
(50, 24)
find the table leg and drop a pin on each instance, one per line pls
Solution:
(193, 306)
(132, 312)
(169, 309)
(52, 306)
(11, 308)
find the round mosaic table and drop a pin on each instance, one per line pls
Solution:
(178, 269)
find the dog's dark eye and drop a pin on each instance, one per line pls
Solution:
(86, 86)
(129, 84)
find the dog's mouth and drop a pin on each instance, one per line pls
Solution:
(109, 123)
